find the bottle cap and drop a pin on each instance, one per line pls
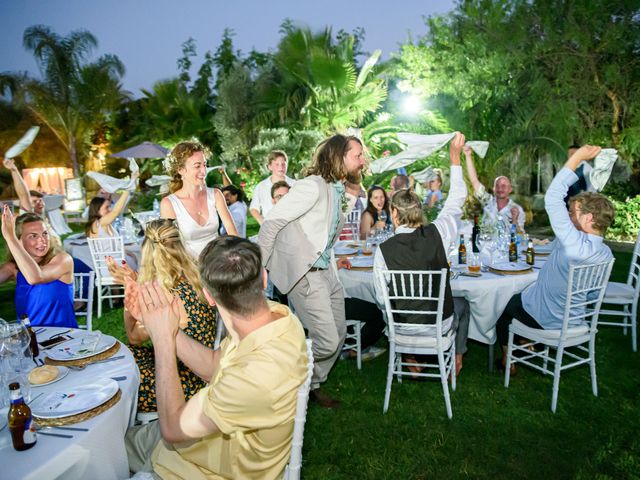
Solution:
(14, 386)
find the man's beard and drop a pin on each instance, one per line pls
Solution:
(355, 177)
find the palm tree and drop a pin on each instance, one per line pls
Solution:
(74, 97)
(315, 82)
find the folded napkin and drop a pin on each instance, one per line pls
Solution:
(421, 146)
(602, 167)
(22, 144)
(111, 184)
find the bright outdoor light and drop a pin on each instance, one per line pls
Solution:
(411, 104)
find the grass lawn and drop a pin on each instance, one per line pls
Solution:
(495, 432)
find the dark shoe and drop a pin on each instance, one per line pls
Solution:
(501, 368)
(323, 399)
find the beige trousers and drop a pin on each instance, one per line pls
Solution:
(318, 300)
(140, 442)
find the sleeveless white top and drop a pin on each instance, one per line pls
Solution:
(195, 236)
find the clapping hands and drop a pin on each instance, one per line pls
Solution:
(159, 312)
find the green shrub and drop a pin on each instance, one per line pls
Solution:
(627, 220)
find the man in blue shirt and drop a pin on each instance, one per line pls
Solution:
(579, 240)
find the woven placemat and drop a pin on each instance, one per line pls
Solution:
(80, 362)
(362, 268)
(80, 417)
(506, 272)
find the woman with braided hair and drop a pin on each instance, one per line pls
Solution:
(165, 260)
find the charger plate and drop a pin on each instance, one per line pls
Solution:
(87, 360)
(511, 268)
(81, 417)
(72, 349)
(344, 251)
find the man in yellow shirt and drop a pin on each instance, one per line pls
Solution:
(241, 424)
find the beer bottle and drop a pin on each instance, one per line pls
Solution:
(531, 256)
(513, 248)
(35, 351)
(474, 235)
(21, 425)
(462, 251)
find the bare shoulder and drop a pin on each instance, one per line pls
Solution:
(166, 208)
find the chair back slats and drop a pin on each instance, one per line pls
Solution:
(100, 249)
(425, 291)
(633, 279)
(83, 293)
(585, 291)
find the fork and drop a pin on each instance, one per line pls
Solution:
(82, 367)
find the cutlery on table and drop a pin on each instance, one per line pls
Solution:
(74, 429)
(82, 367)
(51, 434)
(59, 333)
(119, 379)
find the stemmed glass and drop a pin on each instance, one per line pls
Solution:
(17, 341)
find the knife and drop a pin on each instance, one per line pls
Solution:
(51, 434)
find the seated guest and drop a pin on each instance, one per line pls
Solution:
(399, 182)
(165, 260)
(235, 199)
(499, 203)
(279, 190)
(434, 194)
(241, 424)
(419, 247)
(369, 314)
(101, 215)
(376, 215)
(416, 187)
(579, 240)
(43, 272)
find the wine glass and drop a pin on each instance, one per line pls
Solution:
(382, 216)
(17, 341)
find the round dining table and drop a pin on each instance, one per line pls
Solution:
(77, 246)
(487, 294)
(92, 448)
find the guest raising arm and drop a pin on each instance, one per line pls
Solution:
(499, 203)
(419, 247)
(43, 272)
(30, 201)
(579, 234)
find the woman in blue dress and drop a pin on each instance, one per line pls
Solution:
(43, 272)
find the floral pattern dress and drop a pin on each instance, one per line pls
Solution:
(201, 326)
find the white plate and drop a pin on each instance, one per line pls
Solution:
(511, 266)
(71, 350)
(345, 251)
(74, 400)
(62, 372)
(542, 249)
(362, 261)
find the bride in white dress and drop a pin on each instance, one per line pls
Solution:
(195, 207)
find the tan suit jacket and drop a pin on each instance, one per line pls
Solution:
(296, 231)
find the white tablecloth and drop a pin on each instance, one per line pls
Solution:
(487, 296)
(96, 454)
(78, 247)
